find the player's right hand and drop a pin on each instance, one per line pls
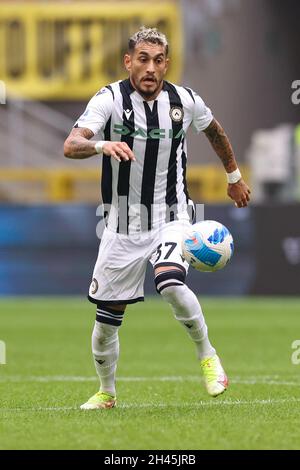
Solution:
(119, 151)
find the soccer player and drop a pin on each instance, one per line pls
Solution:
(142, 123)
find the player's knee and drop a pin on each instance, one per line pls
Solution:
(170, 284)
(109, 316)
(174, 295)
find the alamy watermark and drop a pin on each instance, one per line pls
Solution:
(295, 97)
(134, 219)
(295, 358)
(2, 352)
(2, 92)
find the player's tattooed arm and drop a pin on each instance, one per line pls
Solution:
(78, 144)
(239, 192)
(221, 145)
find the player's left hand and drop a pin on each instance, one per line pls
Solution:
(240, 193)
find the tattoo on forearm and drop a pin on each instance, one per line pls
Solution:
(82, 147)
(82, 132)
(78, 145)
(220, 143)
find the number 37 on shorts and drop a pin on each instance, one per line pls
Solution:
(169, 252)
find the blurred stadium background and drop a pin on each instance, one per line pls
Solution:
(241, 56)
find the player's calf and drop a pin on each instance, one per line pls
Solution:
(187, 310)
(105, 348)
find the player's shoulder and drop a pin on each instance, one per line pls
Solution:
(104, 98)
(107, 91)
(186, 94)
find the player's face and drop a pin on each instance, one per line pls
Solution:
(147, 66)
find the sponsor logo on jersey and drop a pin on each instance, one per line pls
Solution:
(127, 113)
(120, 129)
(103, 90)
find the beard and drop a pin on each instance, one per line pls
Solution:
(146, 92)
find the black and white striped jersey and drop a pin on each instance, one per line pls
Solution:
(152, 190)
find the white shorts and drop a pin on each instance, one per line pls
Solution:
(120, 269)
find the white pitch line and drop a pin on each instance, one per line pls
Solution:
(50, 408)
(263, 381)
(200, 404)
(252, 380)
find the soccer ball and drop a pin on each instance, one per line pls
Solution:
(207, 246)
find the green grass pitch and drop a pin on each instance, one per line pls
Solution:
(162, 403)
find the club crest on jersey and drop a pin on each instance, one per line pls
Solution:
(94, 286)
(176, 114)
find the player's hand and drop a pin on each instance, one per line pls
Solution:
(119, 151)
(240, 193)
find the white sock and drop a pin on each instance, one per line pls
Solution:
(188, 312)
(105, 347)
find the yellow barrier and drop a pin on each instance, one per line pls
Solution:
(68, 51)
(206, 183)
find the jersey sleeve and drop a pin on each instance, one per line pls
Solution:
(97, 112)
(202, 115)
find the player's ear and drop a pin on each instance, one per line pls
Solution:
(127, 62)
(167, 64)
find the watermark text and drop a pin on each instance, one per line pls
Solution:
(295, 97)
(2, 92)
(295, 358)
(134, 219)
(2, 352)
